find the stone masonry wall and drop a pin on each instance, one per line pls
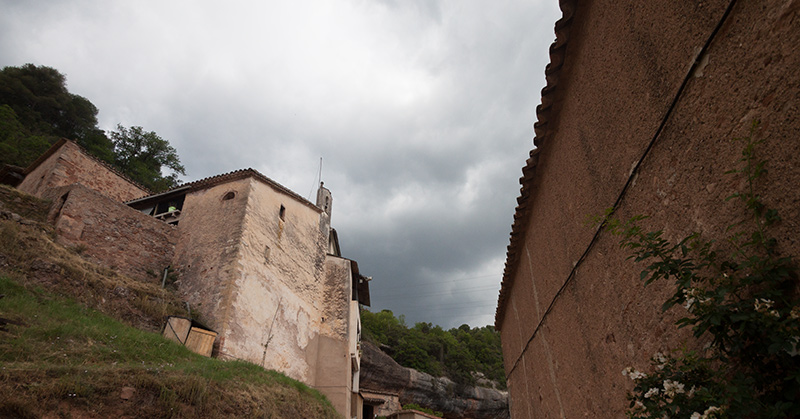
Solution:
(571, 321)
(68, 165)
(112, 233)
(206, 254)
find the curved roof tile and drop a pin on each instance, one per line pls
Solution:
(540, 127)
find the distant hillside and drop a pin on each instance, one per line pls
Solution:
(468, 356)
(380, 373)
(68, 347)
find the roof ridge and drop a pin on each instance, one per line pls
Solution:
(61, 141)
(237, 174)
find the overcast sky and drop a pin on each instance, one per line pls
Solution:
(422, 112)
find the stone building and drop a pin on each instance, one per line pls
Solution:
(642, 102)
(256, 262)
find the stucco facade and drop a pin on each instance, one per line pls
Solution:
(643, 101)
(255, 262)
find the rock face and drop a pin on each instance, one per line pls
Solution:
(380, 372)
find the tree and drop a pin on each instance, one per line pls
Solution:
(456, 353)
(36, 109)
(43, 105)
(143, 154)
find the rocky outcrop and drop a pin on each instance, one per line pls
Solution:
(380, 372)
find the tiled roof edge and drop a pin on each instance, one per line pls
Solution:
(50, 151)
(241, 174)
(541, 130)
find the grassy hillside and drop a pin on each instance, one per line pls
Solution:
(69, 348)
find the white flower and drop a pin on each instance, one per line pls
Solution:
(793, 351)
(639, 406)
(690, 294)
(689, 303)
(633, 374)
(705, 415)
(660, 360)
(650, 393)
(795, 313)
(709, 411)
(762, 305)
(775, 313)
(671, 388)
(691, 391)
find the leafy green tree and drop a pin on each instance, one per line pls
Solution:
(143, 154)
(458, 353)
(382, 327)
(17, 146)
(36, 109)
(99, 145)
(39, 97)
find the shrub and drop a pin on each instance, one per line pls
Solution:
(741, 297)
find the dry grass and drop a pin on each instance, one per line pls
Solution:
(23, 204)
(30, 254)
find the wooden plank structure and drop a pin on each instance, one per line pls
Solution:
(191, 334)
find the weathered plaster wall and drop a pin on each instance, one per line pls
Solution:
(259, 276)
(207, 252)
(297, 242)
(112, 233)
(277, 295)
(623, 67)
(334, 369)
(69, 165)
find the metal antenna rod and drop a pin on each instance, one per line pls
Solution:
(318, 180)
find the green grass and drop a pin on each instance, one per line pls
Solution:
(59, 356)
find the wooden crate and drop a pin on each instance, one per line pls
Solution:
(201, 341)
(177, 329)
(189, 333)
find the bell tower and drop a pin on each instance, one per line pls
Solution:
(324, 199)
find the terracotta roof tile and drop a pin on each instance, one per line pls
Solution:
(215, 180)
(540, 128)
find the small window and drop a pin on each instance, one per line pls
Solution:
(282, 213)
(228, 196)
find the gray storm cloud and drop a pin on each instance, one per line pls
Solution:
(421, 111)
